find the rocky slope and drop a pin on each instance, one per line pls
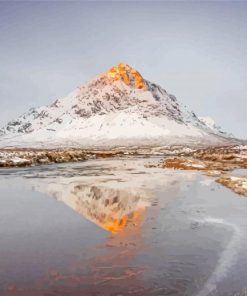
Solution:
(118, 107)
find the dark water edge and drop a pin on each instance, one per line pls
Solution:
(114, 227)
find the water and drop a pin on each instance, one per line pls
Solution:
(114, 227)
(240, 172)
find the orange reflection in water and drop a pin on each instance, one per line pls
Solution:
(117, 225)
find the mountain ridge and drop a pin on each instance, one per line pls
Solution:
(118, 107)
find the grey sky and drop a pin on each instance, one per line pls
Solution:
(195, 50)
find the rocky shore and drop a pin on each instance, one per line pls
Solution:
(218, 162)
(21, 157)
(31, 157)
(237, 184)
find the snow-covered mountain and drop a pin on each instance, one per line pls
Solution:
(210, 123)
(118, 107)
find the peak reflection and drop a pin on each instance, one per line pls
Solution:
(112, 209)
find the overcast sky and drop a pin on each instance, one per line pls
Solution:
(196, 51)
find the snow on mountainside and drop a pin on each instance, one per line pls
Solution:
(210, 123)
(119, 107)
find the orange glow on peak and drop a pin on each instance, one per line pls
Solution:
(128, 75)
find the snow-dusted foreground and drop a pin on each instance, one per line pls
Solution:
(21, 158)
(26, 157)
(236, 183)
(213, 162)
(217, 162)
(209, 159)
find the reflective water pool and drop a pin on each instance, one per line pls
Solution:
(115, 227)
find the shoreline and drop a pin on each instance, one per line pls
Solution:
(22, 157)
(217, 162)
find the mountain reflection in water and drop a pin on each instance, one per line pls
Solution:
(111, 209)
(116, 202)
(113, 227)
(113, 204)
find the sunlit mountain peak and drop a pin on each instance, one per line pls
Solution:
(128, 75)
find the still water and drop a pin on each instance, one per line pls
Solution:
(114, 227)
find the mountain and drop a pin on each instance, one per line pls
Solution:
(118, 107)
(210, 123)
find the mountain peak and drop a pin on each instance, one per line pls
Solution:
(118, 107)
(128, 75)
